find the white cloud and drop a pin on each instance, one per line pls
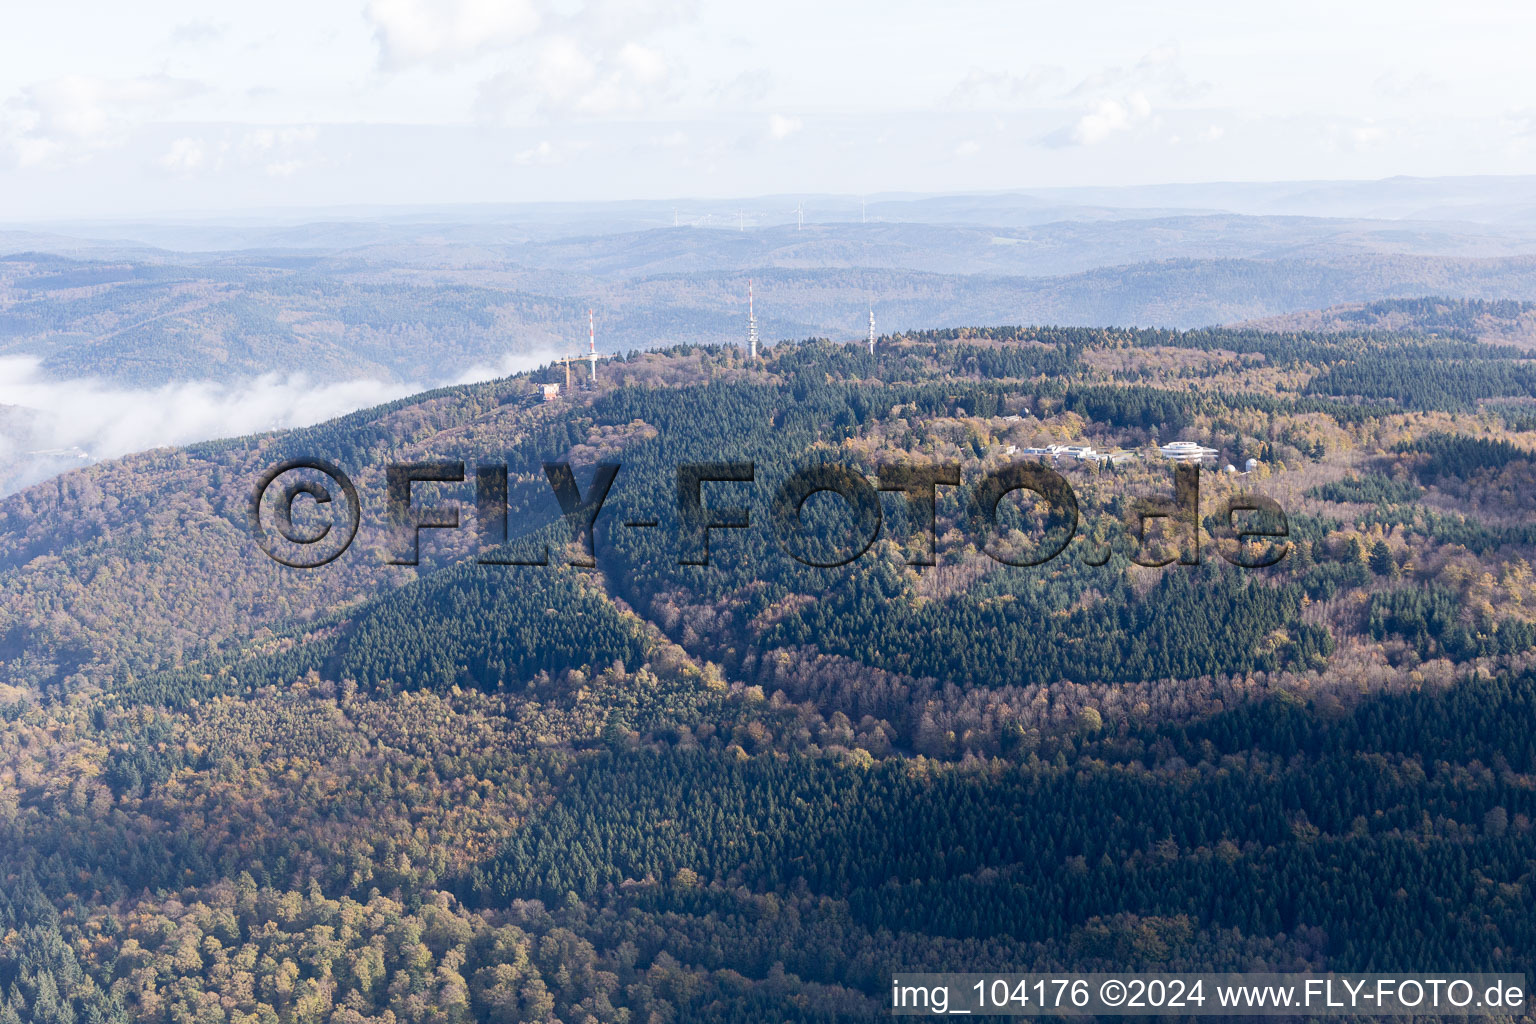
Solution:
(267, 140)
(509, 364)
(1116, 99)
(105, 421)
(1159, 69)
(1409, 86)
(1521, 122)
(185, 156)
(73, 116)
(642, 64)
(570, 77)
(744, 90)
(1108, 118)
(564, 70)
(198, 33)
(549, 153)
(557, 59)
(967, 149)
(543, 153)
(1358, 138)
(50, 417)
(988, 88)
(781, 127)
(277, 151)
(676, 139)
(280, 152)
(615, 21)
(443, 32)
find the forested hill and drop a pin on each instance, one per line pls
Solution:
(1505, 321)
(748, 790)
(431, 315)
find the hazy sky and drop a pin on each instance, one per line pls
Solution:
(173, 106)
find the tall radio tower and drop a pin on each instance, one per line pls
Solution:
(592, 343)
(871, 330)
(751, 321)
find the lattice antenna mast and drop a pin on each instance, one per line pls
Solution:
(871, 330)
(751, 322)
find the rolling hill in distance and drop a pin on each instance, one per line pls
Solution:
(337, 309)
(97, 320)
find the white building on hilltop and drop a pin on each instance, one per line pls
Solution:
(1186, 451)
(1080, 452)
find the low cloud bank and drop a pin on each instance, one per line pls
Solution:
(48, 426)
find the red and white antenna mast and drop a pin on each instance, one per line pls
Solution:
(592, 342)
(751, 322)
